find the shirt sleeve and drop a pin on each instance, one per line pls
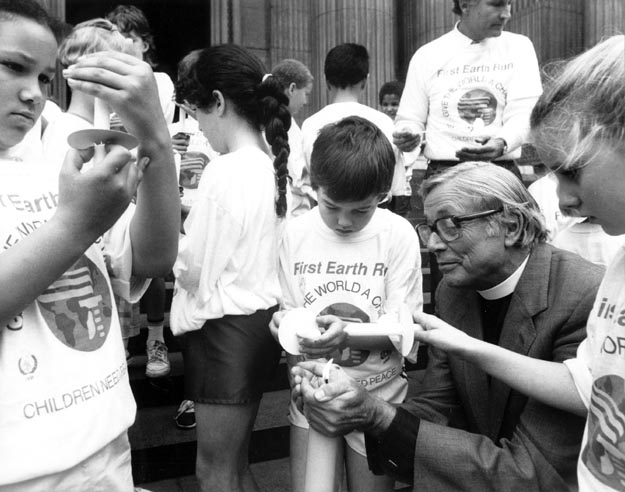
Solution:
(414, 104)
(393, 453)
(579, 368)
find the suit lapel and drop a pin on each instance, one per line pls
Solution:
(519, 332)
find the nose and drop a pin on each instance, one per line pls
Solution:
(344, 221)
(435, 243)
(32, 91)
(505, 13)
(568, 197)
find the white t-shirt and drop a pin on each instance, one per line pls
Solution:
(599, 374)
(337, 111)
(300, 183)
(192, 163)
(166, 92)
(358, 278)
(458, 90)
(228, 260)
(63, 375)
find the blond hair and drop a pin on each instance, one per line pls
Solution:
(89, 37)
(583, 103)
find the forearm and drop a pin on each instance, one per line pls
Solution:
(29, 267)
(156, 223)
(548, 382)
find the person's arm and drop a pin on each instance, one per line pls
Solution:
(127, 84)
(547, 381)
(89, 203)
(413, 108)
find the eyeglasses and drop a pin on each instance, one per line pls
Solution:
(449, 228)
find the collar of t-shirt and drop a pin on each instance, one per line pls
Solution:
(467, 39)
(506, 287)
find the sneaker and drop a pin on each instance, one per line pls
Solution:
(185, 418)
(158, 363)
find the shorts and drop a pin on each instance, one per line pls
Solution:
(107, 470)
(230, 359)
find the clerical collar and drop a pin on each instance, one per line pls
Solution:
(506, 287)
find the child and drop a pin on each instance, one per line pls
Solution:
(346, 70)
(227, 285)
(133, 24)
(349, 258)
(70, 240)
(389, 97)
(87, 37)
(578, 127)
(297, 81)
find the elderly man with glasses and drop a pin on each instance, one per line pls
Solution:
(502, 283)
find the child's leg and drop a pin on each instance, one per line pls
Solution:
(154, 303)
(360, 478)
(223, 436)
(298, 453)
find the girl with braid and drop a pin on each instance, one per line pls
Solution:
(227, 284)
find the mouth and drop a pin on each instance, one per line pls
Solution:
(446, 265)
(26, 115)
(343, 231)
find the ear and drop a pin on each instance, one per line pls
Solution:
(513, 228)
(291, 89)
(220, 102)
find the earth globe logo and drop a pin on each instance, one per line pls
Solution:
(348, 357)
(478, 105)
(77, 307)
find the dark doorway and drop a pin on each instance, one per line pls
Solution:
(178, 26)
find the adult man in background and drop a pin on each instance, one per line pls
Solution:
(470, 92)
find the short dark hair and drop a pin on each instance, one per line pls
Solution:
(346, 65)
(457, 9)
(393, 87)
(130, 19)
(33, 10)
(352, 160)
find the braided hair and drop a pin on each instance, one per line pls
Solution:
(259, 99)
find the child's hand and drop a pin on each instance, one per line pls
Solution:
(332, 338)
(126, 83)
(274, 324)
(180, 142)
(90, 202)
(442, 335)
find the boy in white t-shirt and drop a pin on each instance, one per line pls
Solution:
(350, 259)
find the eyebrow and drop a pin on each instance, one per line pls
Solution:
(23, 57)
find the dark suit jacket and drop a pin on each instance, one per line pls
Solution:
(477, 437)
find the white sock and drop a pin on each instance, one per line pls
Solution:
(155, 332)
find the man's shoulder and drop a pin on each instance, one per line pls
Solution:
(567, 266)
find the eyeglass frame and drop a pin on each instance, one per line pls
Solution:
(456, 220)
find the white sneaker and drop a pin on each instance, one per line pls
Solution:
(185, 417)
(158, 362)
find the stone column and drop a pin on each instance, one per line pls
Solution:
(603, 19)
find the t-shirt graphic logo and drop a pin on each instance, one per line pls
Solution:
(477, 104)
(349, 357)
(604, 454)
(77, 307)
(191, 168)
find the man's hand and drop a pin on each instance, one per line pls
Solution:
(489, 149)
(341, 405)
(406, 140)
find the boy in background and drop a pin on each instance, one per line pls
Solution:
(349, 258)
(346, 71)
